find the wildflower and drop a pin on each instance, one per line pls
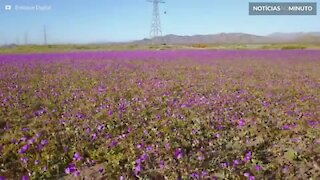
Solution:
(31, 141)
(88, 130)
(195, 175)
(258, 168)
(225, 164)
(161, 164)
(70, 169)
(248, 157)
(201, 157)
(24, 160)
(76, 173)
(23, 139)
(138, 167)
(25, 177)
(80, 115)
(246, 174)
(236, 162)
(77, 157)
(217, 135)
(94, 136)
(144, 157)
(149, 148)
(113, 143)
(2, 178)
(24, 149)
(44, 142)
(36, 162)
(40, 147)
(101, 127)
(178, 153)
(101, 170)
(204, 173)
(140, 146)
(241, 123)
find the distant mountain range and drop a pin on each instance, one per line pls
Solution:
(236, 38)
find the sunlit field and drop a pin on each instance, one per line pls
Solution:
(183, 114)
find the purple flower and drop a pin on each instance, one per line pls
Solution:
(140, 146)
(113, 143)
(195, 175)
(23, 138)
(204, 173)
(31, 141)
(24, 160)
(25, 129)
(246, 174)
(77, 157)
(286, 127)
(149, 148)
(24, 149)
(101, 127)
(241, 123)
(40, 147)
(138, 168)
(161, 164)
(25, 177)
(236, 162)
(36, 162)
(178, 153)
(2, 178)
(44, 142)
(94, 136)
(225, 164)
(110, 112)
(101, 170)
(14, 141)
(76, 173)
(80, 115)
(88, 130)
(258, 168)
(217, 135)
(143, 157)
(248, 157)
(70, 169)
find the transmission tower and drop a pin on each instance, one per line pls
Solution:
(156, 24)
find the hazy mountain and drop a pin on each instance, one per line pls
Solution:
(240, 38)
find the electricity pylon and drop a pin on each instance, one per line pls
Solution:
(155, 31)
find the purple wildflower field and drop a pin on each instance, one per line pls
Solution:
(183, 114)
